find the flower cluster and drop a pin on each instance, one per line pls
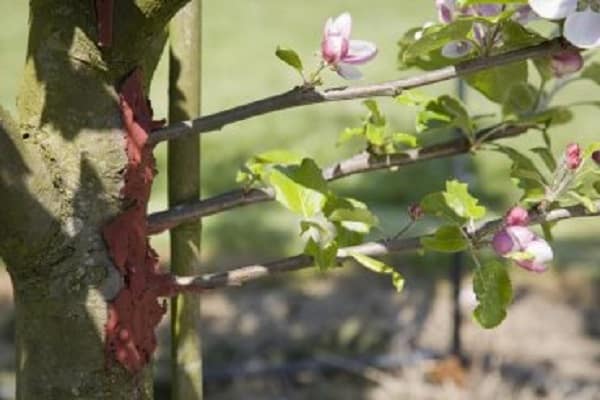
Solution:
(340, 52)
(449, 10)
(517, 242)
(582, 19)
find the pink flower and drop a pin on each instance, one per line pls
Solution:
(573, 156)
(566, 62)
(519, 239)
(517, 216)
(342, 53)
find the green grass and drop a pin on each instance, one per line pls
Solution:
(239, 65)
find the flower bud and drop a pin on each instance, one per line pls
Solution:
(566, 62)
(415, 212)
(517, 216)
(573, 156)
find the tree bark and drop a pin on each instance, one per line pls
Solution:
(183, 186)
(61, 168)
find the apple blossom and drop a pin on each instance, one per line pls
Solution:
(516, 238)
(340, 52)
(582, 22)
(512, 240)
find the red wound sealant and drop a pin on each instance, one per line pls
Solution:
(136, 311)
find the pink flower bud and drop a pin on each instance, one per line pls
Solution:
(415, 212)
(566, 62)
(573, 156)
(517, 216)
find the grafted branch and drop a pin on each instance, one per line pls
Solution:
(241, 275)
(302, 96)
(360, 163)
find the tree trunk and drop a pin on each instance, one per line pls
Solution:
(61, 168)
(184, 186)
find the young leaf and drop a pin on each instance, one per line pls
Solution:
(381, 268)
(324, 257)
(592, 72)
(461, 202)
(290, 57)
(435, 204)
(492, 287)
(447, 239)
(301, 189)
(495, 83)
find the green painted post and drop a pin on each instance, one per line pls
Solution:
(184, 185)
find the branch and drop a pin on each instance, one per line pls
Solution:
(301, 96)
(239, 276)
(360, 163)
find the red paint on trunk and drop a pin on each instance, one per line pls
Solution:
(136, 311)
(104, 21)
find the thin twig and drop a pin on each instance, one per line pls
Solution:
(241, 275)
(360, 163)
(301, 96)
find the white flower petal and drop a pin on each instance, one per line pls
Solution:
(342, 25)
(553, 9)
(583, 29)
(541, 250)
(359, 52)
(349, 72)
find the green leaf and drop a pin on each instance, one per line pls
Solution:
(380, 268)
(592, 72)
(459, 199)
(492, 287)
(447, 239)
(412, 98)
(546, 156)
(405, 139)
(301, 189)
(495, 83)
(584, 200)
(375, 116)
(443, 112)
(356, 220)
(435, 204)
(520, 99)
(435, 37)
(324, 257)
(290, 57)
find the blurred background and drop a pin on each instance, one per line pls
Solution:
(347, 334)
